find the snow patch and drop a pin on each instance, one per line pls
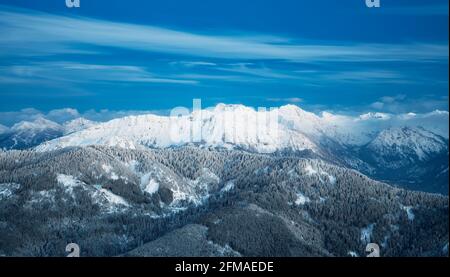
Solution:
(366, 233)
(149, 184)
(112, 199)
(7, 189)
(42, 196)
(445, 249)
(132, 165)
(301, 199)
(114, 176)
(225, 250)
(103, 196)
(68, 182)
(310, 171)
(409, 212)
(229, 186)
(106, 168)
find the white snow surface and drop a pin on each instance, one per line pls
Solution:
(8, 189)
(301, 199)
(311, 171)
(68, 182)
(113, 198)
(77, 124)
(228, 186)
(409, 212)
(148, 184)
(107, 199)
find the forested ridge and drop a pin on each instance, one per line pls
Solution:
(111, 200)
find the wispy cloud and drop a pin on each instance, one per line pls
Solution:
(69, 72)
(367, 76)
(33, 33)
(192, 63)
(217, 77)
(36, 48)
(250, 69)
(293, 100)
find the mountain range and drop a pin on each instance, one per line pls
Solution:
(26, 134)
(227, 181)
(407, 150)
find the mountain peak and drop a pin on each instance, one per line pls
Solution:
(39, 123)
(77, 124)
(406, 141)
(221, 107)
(292, 108)
(375, 116)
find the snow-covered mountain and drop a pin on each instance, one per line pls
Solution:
(407, 143)
(36, 125)
(142, 193)
(413, 157)
(288, 127)
(26, 134)
(226, 126)
(408, 149)
(77, 124)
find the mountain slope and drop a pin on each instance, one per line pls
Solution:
(412, 157)
(113, 200)
(188, 241)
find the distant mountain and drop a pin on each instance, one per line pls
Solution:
(27, 134)
(412, 157)
(191, 201)
(395, 149)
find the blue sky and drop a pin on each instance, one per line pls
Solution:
(154, 55)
